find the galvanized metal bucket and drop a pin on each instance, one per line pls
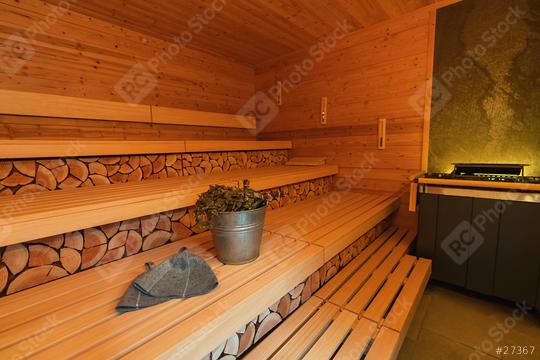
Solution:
(237, 235)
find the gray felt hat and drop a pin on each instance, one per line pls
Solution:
(182, 276)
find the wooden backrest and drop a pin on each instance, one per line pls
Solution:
(37, 104)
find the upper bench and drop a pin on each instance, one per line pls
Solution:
(25, 217)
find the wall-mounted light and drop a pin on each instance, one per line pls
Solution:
(279, 93)
(324, 110)
(381, 138)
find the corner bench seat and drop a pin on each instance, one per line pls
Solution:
(362, 312)
(32, 216)
(334, 221)
(75, 316)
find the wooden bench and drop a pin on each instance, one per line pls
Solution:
(75, 316)
(28, 217)
(333, 221)
(365, 310)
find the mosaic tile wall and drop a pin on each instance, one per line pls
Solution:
(40, 261)
(17, 177)
(256, 329)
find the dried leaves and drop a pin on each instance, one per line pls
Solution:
(221, 198)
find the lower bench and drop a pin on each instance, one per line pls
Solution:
(363, 312)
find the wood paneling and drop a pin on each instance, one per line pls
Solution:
(370, 74)
(249, 31)
(80, 56)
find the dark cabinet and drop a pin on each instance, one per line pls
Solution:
(518, 254)
(453, 236)
(486, 245)
(482, 256)
(538, 294)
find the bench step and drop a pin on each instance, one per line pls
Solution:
(50, 213)
(79, 311)
(333, 221)
(365, 310)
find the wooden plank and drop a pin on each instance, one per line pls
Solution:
(272, 342)
(345, 274)
(339, 240)
(226, 145)
(413, 197)
(386, 345)
(167, 115)
(330, 341)
(302, 341)
(370, 288)
(355, 282)
(303, 161)
(358, 341)
(38, 104)
(35, 149)
(385, 297)
(403, 310)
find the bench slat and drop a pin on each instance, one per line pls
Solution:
(368, 291)
(386, 345)
(358, 341)
(311, 230)
(280, 221)
(408, 300)
(284, 331)
(338, 240)
(335, 283)
(329, 342)
(350, 288)
(306, 337)
(386, 295)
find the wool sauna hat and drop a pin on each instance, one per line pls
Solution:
(182, 276)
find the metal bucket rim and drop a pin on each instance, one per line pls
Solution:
(244, 211)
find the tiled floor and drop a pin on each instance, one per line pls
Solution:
(456, 325)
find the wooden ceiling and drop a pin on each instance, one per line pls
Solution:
(248, 31)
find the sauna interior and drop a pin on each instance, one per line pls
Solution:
(270, 179)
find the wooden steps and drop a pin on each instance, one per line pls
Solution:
(77, 312)
(35, 149)
(333, 221)
(365, 310)
(27, 217)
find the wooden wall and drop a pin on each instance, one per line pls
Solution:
(373, 73)
(77, 55)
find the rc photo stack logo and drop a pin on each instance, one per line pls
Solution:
(15, 51)
(462, 242)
